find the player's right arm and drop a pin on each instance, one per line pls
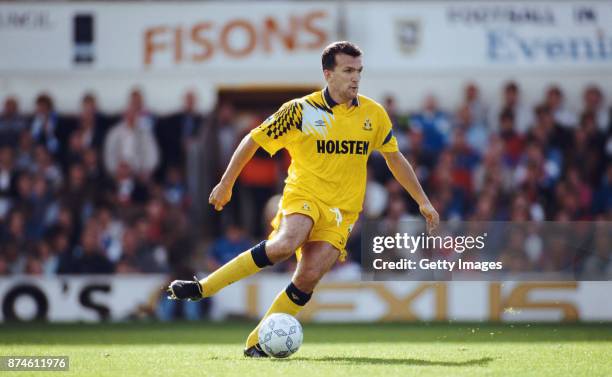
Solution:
(222, 193)
(273, 134)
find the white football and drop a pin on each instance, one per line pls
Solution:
(280, 335)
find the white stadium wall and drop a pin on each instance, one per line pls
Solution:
(117, 298)
(411, 48)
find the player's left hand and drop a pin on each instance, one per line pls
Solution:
(431, 216)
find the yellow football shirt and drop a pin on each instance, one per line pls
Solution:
(329, 145)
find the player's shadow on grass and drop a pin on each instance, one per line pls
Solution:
(408, 361)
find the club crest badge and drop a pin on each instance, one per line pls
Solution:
(408, 35)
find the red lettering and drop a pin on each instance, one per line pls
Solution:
(271, 29)
(237, 38)
(178, 45)
(248, 30)
(198, 38)
(319, 33)
(151, 46)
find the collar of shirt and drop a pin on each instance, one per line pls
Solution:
(330, 101)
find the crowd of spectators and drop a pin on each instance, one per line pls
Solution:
(92, 193)
(100, 193)
(520, 162)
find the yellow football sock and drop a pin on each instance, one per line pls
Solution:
(238, 268)
(282, 304)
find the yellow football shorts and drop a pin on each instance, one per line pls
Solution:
(330, 224)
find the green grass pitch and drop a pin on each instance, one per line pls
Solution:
(209, 349)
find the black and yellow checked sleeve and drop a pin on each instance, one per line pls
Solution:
(279, 129)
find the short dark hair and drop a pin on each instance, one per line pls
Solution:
(88, 97)
(328, 58)
(511, 86)
(45, 100)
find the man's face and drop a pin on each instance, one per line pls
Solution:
(344, 79)
(511, 96)
(10, 107)
(88, 108)
(592, 97)
(190, 101)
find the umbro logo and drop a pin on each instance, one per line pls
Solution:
(367, 125)
(320, 123)
(294, 297)
(306, 207)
